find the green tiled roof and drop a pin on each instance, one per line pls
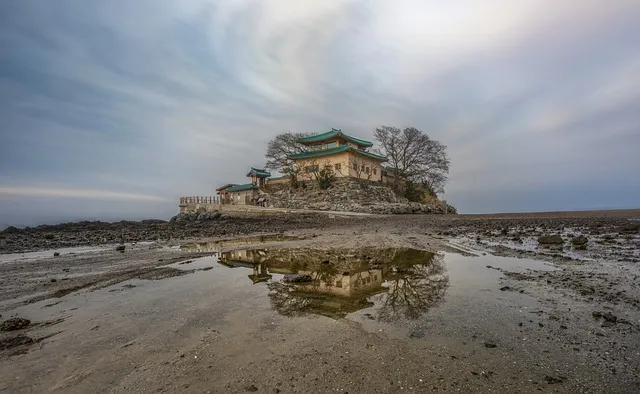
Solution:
(318, 153)
(259, 172)
(332, 134)
(228, 185)
(241, 188)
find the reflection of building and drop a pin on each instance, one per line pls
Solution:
(333, 291)
(345, 284)
(247, 259)
(325, 279)
(408, 281)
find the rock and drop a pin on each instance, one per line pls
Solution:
(251, 388)
(120, 248)
(11, 230)
(490, 344)
(56, 254)
(505, 288)
(553, 380)
(610, 317)
(296, 278)
(15, 323)
(550, 240)
(11, 342)
(579, 240)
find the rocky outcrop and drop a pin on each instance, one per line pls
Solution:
(352, 196)
(195, 217)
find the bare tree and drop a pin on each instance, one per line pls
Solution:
(321, 174)
(414, 156)
(362, 168)
(434, 183)
(280, 148)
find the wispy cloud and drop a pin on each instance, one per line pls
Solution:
(163, 98)
(71, 194)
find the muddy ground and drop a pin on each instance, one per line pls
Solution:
(518, 316)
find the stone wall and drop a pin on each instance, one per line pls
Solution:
(351, 195)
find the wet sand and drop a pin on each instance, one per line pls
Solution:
(442, 304)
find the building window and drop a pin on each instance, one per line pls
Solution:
(338, 166)
(338, 283)
(375, 172)
(367, 170)
(316, 147)
(313, 168)
(331, 145)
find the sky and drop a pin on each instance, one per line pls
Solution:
(114, 109)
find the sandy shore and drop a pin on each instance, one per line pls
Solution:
(491, 310)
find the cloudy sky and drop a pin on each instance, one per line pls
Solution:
(113, 109)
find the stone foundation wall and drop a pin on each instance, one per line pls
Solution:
(351, 195)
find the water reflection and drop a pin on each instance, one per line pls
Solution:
(216, 245)
(401, 283)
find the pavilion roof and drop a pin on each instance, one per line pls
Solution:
(333, 134)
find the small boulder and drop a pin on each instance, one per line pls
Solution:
(56, 254)
(551, 240)
(15, 323)
(120, 248)
(490, 344)
(579, 240)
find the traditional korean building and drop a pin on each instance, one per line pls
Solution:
(258, 176)
(345, 155)
(223, 192)
(248, 193)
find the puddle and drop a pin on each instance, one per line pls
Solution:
(392, 287)
(217, 245)
(399, 292)
(21, 257)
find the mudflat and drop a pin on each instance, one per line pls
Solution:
(312, 303)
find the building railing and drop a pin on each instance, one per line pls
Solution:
(201, 200)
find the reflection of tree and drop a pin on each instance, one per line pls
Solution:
(413, 290)
(286, 301)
